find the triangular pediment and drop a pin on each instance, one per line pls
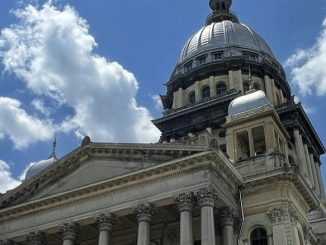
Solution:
(95, 163)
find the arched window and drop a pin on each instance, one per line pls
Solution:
(206, 93)
(257, 86)
(220, 88)
(258, 237)
(192, 98)
(246, 87)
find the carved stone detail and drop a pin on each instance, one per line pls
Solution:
(276, 215)
(105, 221)
(69, 231)
(206, 196)
(227, 216)
(293, 213)
(185, 201)
(36, 238)
(144, 211)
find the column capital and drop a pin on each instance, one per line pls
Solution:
(69, 231)
(105, 221)
(206, 196)
(144, 211)
(6, 242)
(36, 237)
(276, 215)
(227, 216)
(185, 201)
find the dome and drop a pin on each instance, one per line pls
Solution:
(248, 102)
(38, 167)
(223, 35)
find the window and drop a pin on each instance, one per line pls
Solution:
(246, 87)
(192, 98)
(251, 56)
(259, 140)
(217, 56)
(243, 146)
(206, 93)
(188, 66)
(220, 88)
(201, 60)
(258, 237)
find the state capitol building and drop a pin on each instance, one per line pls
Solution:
(238, 162)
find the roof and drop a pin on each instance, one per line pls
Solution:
(223, 35)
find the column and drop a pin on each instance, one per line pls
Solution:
(144, 212)
(185, 203)
(300, 152)
(69, 233)
(277, 221)
(105, 223)
(314, 173)
(251, 143)
(226, 217)
(306, 152)
(206, 198)
(36, 238)
(320, 181)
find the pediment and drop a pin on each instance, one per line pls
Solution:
(93, 163)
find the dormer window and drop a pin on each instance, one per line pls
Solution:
(217, 56)
(188, 66)
(201, 60)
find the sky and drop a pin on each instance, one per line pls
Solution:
(71, 68)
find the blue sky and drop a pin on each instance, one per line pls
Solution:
(139, 43)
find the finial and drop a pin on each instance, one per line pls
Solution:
(221, 12)
(54, 146)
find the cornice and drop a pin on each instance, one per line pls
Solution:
(125, 152)
(176, 167)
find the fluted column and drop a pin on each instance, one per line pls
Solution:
(314, 173)
(306, 151)
(185, 203)
(206, 199)
(144, 214)
(227, 217)
(300, 152)
(105, 223)
(36, 238)
(69, 232)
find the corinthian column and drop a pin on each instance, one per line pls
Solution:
(105, 223)
(185, 203)
(36, 238)
(144, 214)
(226, 217)
(206, 198)
(69, 233)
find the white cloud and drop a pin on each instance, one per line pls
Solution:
(21, 128)
(157, 102)
(308, 67)
(53, 52)
(7, 182)
(39, 106)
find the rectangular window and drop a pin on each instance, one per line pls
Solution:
(201, 60)
(251, 56)
(217, 56)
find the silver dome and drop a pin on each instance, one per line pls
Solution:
(248, 102)
(223, 35)
(38, 167)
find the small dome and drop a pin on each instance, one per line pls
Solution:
(222, 35)
(248, 102)
(38, 167)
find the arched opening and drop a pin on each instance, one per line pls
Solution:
(243, 148)
(258, 135)
(258, 237)
(192, 98)
(220, 88)
(246, 87)
(206, 93)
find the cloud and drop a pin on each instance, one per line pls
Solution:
(7, 182)
(52, 50)
(39, 106)
(21, 128)
(157, 102)
(308, 67)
